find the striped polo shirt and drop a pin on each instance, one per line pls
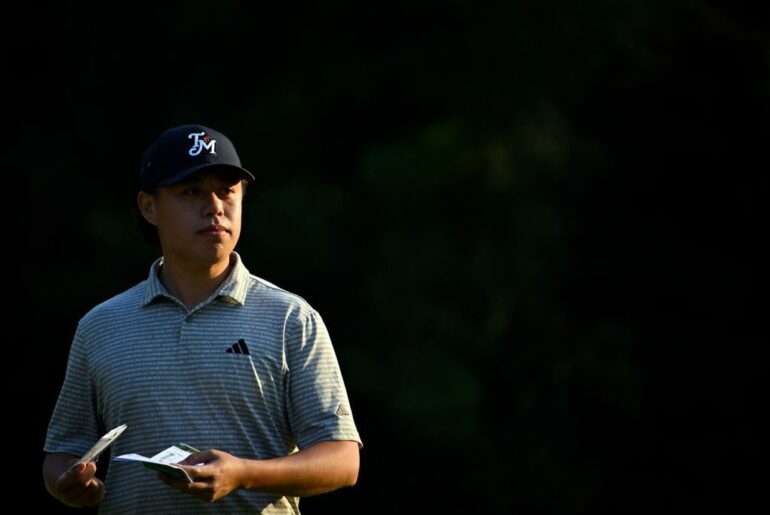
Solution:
(250, 371)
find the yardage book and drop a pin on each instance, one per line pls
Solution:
(100, 445)
(165, 460)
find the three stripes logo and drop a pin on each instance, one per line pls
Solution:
(238, 348)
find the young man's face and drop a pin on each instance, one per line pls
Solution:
(198, 219)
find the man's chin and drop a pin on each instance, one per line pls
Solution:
(214, 255)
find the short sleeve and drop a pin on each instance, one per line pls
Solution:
(316, 399)
(74, 427)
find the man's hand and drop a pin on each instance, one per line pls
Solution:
(77, 486)
(214, 474)
(320, 468)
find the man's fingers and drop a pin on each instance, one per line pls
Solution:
(74, 470)
(176, 482)
(199, 488)
(197, 458)
(80, 470)
(89, 492)
(197, 472)
(72, 477)
(92, 493)
(88, 470)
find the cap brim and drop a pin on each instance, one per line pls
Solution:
(195, 169)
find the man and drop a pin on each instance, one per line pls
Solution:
(201, 352)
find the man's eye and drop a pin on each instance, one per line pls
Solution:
(191, 191)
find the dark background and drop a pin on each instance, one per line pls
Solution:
(534, 229)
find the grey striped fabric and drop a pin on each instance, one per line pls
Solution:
(250, 371)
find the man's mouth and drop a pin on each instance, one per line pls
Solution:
(214, 230)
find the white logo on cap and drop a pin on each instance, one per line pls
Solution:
(199, 143)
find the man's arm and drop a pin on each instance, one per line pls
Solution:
(320, 468)
(77, 486)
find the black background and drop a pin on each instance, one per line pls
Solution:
(535, 230)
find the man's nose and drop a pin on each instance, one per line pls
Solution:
(212, 204)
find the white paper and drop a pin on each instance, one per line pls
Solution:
(101, 444)
(164, 461)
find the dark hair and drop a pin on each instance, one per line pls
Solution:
(148, 231)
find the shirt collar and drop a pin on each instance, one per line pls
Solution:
(232, 290)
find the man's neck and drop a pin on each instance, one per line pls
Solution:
(192, 285)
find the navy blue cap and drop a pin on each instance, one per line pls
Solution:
(182, 151)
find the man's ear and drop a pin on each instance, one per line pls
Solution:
(146, 203)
